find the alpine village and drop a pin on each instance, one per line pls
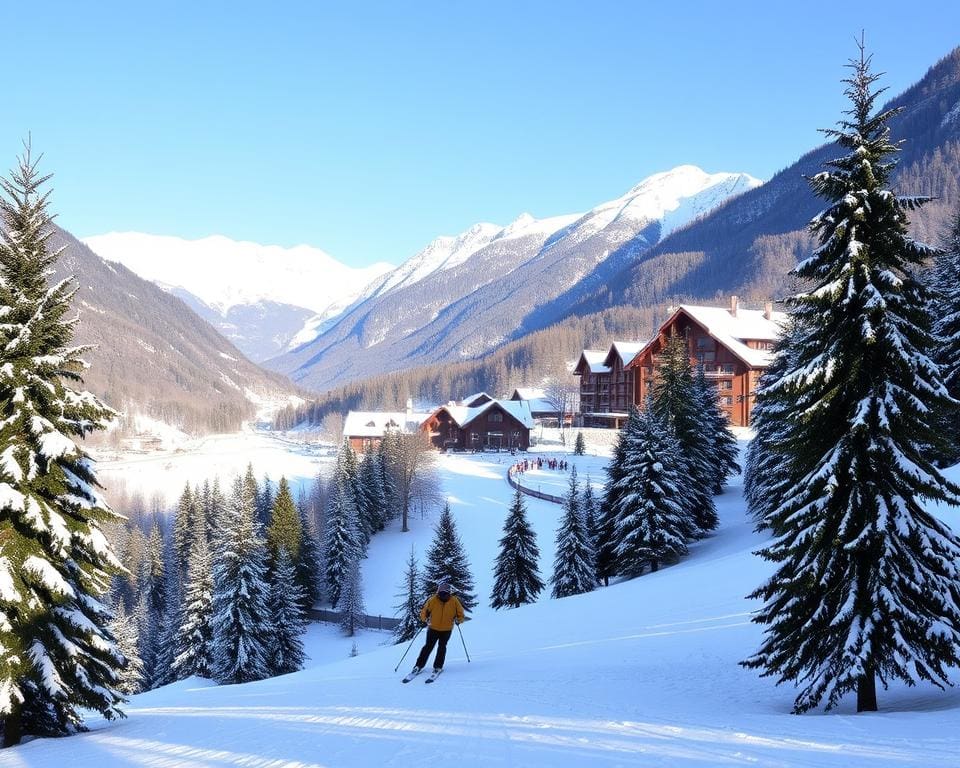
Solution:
(671, 482)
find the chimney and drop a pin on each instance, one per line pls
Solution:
(734, 305)
(768, 310)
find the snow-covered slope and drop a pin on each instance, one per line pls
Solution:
(461, 297)
(641, 673)
(258, 296)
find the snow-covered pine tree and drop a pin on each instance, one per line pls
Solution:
(591, 514)
(408, 611)
(579, 445)
(675, 403)
(516, 575)
(57, 655)
(309, 563)
(350, 606)
(284, 528)
(153, 594)
(193, 642)
(288, 619)
(264, 502)
(342, 542)
(123, 628)
(653, 523)
(371, 484)
(168, 630)
(188, 509)
(723, 451)
(205, 501)
(866, 584)
(604, 541)
(447, 561)
(947, 327)
(218, 517)
(241, 622)
(575, 564)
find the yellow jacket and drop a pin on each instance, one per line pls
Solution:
(442, 613)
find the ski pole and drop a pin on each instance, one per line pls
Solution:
(464, 642)
(408, 648)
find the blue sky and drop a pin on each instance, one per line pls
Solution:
(367, 129)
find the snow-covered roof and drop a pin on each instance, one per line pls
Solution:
(594, 359)
(469, 400)
(733, 331)
(528, 393)
(375, 423)
(627, 350)
(519, 409)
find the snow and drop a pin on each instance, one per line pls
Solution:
(594, 358)
(732, 331)
(302, 276)
(376, 423)
(644, 672)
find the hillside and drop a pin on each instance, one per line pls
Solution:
(644, 672)
(479, 287)
(154, 356)
(747, 245)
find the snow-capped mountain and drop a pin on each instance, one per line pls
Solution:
(462, 296)
(281, 287)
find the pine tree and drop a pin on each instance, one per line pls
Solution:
(447, 562)
(653, 523)
(575, 565)
(371, 485)
(947, 327)
(866, 580)
(309, 564)
(408, 611)
(675, 403)
(218, 517)
(591, 514)
(288, 619)
(579, 446)
(192, 652)
(350, 605)
(55, 563)
(342, 544)
(264, 502)
(153, 591)
(188, 509)
(242, 628)
(284, 529)
(723, 452)
(516, 577)
(605, 539)
(168, 633)
(123, 628)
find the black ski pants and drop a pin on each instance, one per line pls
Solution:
(433, 636)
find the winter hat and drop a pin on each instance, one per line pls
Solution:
(443, 587)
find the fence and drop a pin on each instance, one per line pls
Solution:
(370, 622)
(529, 491)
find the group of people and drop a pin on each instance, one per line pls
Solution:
(538, 463)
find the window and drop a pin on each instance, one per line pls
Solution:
(495, 417)
(704, 342)
(725, 384)
(728, 401)
(706, 356)
(728, 368)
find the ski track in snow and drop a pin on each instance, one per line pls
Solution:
(642, 673)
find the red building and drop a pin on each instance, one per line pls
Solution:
(481, 423)
(733, 344)
(607, 384)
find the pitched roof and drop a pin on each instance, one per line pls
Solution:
(594, 360)
(734, 330)
(471, 400)
(463, 415)
(627, 350)
(375, 423)
(537, 398)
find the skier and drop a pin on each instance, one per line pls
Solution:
(442, 609)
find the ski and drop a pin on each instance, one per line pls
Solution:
(413, 673)
(433, 676)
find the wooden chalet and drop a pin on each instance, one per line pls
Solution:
(733, 344)
(365, 429)
(543, 409)
(480, 423)
(607, 384)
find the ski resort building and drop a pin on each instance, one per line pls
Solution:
(365, 429)
(544, 409)
(733, 344)
(606, 384)
(481, 423)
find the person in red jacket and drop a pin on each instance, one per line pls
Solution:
(442, 610)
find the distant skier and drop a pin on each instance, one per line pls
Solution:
(442, 610)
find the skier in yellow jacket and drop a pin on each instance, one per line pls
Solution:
(442, 610)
